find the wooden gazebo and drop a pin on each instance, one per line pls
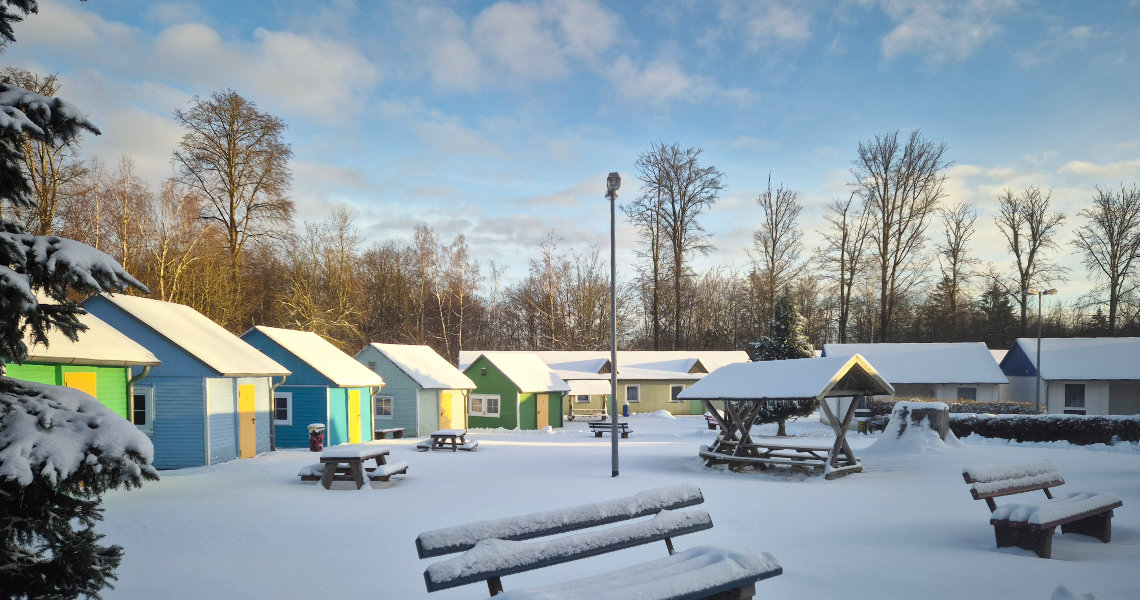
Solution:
(743, 387)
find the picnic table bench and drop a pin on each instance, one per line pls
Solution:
(1030, 525)
(346, 463)
(494, 549)
(397, 432)
(710, 420)
(603, 427)
(456, 439)
(587, 413)
(765, 454)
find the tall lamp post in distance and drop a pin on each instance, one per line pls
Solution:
(1037, 293)
(613, 182)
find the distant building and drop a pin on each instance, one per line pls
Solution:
(514, 390)
(1080, 376)
(945, 372)
(422, 391)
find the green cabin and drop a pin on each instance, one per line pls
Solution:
(98, 363)
(514, 391)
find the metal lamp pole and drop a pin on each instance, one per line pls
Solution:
(613, 182)
(1049, 292)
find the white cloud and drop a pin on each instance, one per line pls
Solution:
(1118, 170)
(659, 82)
(942, 30)
(447, 134)
(1057, 41)
(766, 24)
(508, 43)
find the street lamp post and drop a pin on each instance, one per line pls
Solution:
(1031, 292)
(613, 182)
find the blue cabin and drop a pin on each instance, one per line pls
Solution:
(327, 387)
(209, 400)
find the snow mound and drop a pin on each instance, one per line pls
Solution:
(1063, 593)
(57, 432)
(904, 435)
(547, 430)
(662, 414)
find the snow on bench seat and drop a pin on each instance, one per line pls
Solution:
(424, 444)
(989, 482)
(1055, 510)
(439, 542)
(497, 557)
(695, 573)
(469, 445)
(383, 472)
(313, 470)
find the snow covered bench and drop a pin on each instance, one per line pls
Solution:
(397, 432)
(494, 549)
(1030, 525)
(602, 427)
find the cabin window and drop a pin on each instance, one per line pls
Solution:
(673, 391)
(483, 405)
(483, 371)
(1074, 398)
(582, 398)
(382, 407)
(142, 408)
(967, 393)
(283, 408)
(371, 366)
(633, 393)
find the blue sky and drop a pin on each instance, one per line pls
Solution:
(500, 120)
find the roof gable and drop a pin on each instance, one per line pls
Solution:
(319, 354)
(632, 364)
(198, 336)
(526, 372)
(425, 366)
(968, 362)
(1104, 359)
(794, 379)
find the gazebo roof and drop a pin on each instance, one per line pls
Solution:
(804, 378)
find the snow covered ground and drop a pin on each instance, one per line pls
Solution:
(904, 528)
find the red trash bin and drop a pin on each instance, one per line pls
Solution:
(316, 437)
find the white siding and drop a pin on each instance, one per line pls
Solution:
(221, 419)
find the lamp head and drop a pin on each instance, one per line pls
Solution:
(1049, 292)
(1029, 292)
(613, 182)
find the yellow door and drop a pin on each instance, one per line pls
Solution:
(84, 382)
(446, 413)
(247, 422)
(354, 416)
(542, 410)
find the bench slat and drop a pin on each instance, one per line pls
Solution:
(449, 540)
(993, 482)
(497, 558)
(695, 573)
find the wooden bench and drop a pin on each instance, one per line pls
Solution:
(494, 549)
(711, 420)
(587, 413)
(397, 432)
(346, 463)
(603, 427)
(1030, 525)
(762, 456)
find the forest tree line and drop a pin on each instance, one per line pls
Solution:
(893, 263)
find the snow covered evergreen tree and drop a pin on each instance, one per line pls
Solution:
(60, 449)
(785, 341)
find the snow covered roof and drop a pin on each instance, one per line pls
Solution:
(101, 344)
(430, 370)
(790, 379)
(590, 387)
(327, 359)
(196, 334)
(1082, 358)
(527, 372)
(632, 364)
(968, 362)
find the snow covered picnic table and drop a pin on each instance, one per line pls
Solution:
(346, 463)
(1030, 525)
(494, 549)
(456, 439)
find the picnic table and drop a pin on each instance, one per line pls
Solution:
(453, 438)
(346, 463)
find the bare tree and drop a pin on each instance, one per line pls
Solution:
(901, 187)
(236, 157)
(777, 243)
(176, 236)
(953, 259)
(128, 201)
(1029, 229)
(646, 216)
(1110, 241)
(51, 166)
(687, 190)
(842, 254)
